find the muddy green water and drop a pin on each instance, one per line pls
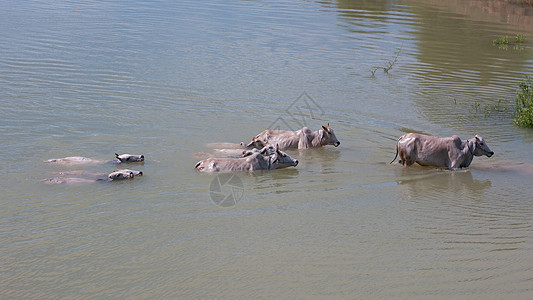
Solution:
(165, 78)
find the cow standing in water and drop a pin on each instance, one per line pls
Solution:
(448, 152)
(299, 139)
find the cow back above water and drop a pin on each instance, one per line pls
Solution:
(251, 160)
(445, 152)
(129, 157)
(299, 139)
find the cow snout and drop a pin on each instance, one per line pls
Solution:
(491, 153)
(337, 144)
(295, 162)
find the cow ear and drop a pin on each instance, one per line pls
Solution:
(116, 155)
(477, 138)
(277, 147)
(325, 128)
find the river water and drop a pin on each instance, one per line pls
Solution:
(167, 78)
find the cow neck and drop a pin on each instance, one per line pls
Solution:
(317, 138)
(469, 149)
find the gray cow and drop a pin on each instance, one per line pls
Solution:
(251, 161)
(448, 152)
(300, 139)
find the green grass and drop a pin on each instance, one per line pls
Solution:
(522, 112)
(500, 108)
(524, 103)
(504, 40)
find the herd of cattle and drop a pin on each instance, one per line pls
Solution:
(83, 176)
(449, 152)
(264, 152)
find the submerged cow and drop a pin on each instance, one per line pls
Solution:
(300, 139)
(73, 177)
(129, 157)
(74, 160)
(251, 161)
(448, 152)
(79, 160)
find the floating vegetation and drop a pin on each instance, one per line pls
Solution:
(388, 66)
(504, 42)
(524, 104)
(521, 113)
(500, 108)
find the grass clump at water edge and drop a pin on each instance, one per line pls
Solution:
(524, 103)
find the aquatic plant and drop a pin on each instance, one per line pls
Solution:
(501, 108)
(524, 103)
(504, 40)
(388, 66)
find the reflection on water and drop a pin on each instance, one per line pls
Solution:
(321, 158)
(433, 183)
(458, 65)
(165, 79)
(504, 11)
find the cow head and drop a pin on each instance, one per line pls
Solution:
(266, 150)
(135, 173)
(480, 148)
(327, 136)
(129, 157)
(280, 159)
(118, 175)
(256, 143)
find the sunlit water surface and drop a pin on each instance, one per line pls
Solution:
(166, 78)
